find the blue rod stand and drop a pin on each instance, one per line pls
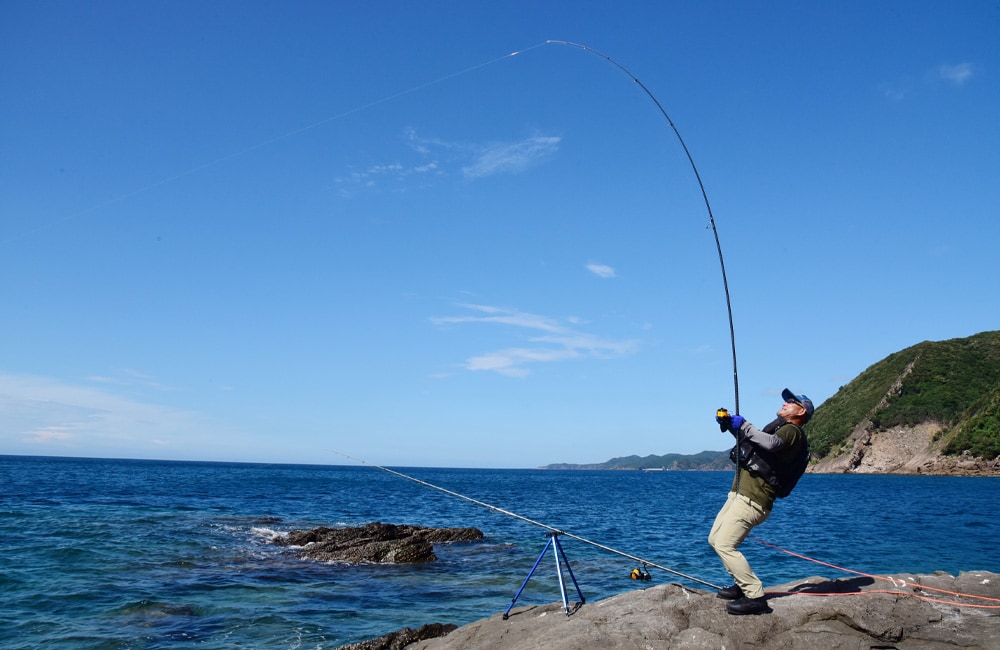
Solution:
(560, 560)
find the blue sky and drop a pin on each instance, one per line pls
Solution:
(248, 231)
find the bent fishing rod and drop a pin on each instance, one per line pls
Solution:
(711, 222)
(704, 195)
(551, 529)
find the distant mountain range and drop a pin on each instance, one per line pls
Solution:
(705, 460)
(932, 408)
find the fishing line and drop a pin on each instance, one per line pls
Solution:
(246, 150)
(895, 582)
(260, 145)
(527, 520)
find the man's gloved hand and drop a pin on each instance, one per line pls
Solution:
(729, 422)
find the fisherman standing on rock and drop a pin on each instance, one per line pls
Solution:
(769, 463)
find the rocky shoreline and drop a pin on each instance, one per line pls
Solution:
(919, 612)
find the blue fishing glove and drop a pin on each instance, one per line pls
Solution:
(735, 422)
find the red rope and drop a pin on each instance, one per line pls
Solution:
(894, 581)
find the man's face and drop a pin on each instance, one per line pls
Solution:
(792, 411)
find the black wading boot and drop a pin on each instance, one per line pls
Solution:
(748, 606)
(729, 593)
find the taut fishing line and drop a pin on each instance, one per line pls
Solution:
(246, 150)
(260, 145)
(527, 520)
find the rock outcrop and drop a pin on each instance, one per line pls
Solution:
(902, 450)
(374, 543)
(402, 638)
(816, 613)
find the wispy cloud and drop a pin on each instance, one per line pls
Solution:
(58, 416)
(478, 160)
(553, 341)
(601, 270)
(502, 316)
(130, 377)
(956, 75)
(50, 434)
(895, 90)
(437, 157)
(510, 157)
(375, 175)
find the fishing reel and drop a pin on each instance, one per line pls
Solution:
(722, 417)
(640, 574)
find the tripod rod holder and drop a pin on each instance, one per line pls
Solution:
(560, 560)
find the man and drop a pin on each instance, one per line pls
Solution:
(770, 462)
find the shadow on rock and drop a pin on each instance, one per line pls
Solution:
(826, 587)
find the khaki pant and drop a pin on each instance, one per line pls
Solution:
(731, 527)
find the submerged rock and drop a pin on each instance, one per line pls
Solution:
(402, 638)
(375, 542)
(814, 613)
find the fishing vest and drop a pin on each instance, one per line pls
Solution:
(780, 474)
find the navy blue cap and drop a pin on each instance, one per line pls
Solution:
(806, 403)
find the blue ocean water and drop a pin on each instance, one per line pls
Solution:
(153, 554)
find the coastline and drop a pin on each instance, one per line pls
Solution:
(926, 611)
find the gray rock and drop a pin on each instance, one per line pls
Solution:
(852, 613)
(402, 638)
(374, 543)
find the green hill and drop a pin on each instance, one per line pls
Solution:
(955, 383)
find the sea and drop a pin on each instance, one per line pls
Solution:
(148, 554)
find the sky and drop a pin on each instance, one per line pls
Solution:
(430, 234)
